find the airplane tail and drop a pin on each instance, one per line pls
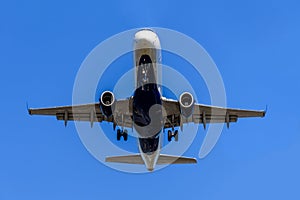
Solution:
(162, 159)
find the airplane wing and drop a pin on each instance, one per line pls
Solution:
(122, 115)
(205, 114)
(90, 112)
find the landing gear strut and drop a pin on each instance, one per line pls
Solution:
(123, 134)
(172, 134)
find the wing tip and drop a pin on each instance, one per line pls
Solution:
(265, 111)
(28, 109)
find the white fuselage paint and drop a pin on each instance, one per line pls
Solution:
(146, 42)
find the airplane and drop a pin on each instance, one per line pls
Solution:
(147, 112)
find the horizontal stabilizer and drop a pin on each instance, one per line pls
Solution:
(130, 159)
(162, 159)
(167, 159)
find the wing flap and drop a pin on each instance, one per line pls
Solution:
(204, 114)
(89, 112)
(219, 111)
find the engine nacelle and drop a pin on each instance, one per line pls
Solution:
(107, 100)
(186, 101)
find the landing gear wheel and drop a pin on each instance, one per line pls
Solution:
(176, 136)
(125, 135)
(119, 134)
(170, 135)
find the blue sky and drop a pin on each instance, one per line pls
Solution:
(255, 46)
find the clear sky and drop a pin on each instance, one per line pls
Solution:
(255, 45)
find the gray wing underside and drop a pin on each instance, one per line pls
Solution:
(90, 113)
(205, 114)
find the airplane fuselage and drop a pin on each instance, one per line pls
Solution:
(147, 103)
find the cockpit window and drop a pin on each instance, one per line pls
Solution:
(145, 72)
(145, 59)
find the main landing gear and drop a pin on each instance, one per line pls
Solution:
(121, 133)
(172, 134)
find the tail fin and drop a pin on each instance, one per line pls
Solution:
(162, 159)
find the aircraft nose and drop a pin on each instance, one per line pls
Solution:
(146, 39)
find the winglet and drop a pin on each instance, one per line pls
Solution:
(28, 109)
(265, 112)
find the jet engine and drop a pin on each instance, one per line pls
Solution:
(186, 101)
(107, 100)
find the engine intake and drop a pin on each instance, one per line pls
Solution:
(107, 100)
(186, 101)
